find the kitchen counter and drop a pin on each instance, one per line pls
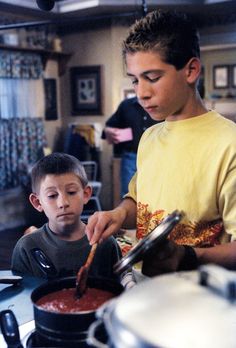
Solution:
(17, 297)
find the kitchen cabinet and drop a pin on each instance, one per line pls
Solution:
(61, 57)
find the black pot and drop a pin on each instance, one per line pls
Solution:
(67, 329)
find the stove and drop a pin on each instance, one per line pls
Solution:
(25, 330)
(31, 339)
(17, 298)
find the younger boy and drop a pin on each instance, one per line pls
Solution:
(60, 190)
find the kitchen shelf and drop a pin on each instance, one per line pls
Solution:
(46, 55)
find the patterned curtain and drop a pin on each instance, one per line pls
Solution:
(21, 144)
(21, 65)
(22, 135)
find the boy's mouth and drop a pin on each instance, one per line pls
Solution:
(65, 214)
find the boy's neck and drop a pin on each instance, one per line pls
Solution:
(71, 233)
(195, 107)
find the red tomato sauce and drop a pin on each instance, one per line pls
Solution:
(65, 300)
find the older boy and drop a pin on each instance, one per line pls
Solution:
(60, 189)
(187, 162)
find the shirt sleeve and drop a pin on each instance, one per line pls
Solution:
(20, 261)
(114, 121)
(132, 188)
(227, 197)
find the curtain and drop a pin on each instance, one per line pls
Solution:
(22, 135)
(21, 145)
(21, 98)
(21, 65)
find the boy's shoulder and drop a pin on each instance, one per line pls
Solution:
(227, 127)
(152, 130)
(32, 236)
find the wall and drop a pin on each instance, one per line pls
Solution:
(214, 57)
(52, 127)
(224, 105)
(97, 47)
(219, 48)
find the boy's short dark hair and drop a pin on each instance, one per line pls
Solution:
(172, 34)
(56, 164)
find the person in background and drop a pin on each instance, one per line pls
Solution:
(124, 130)
(187, 162)
(60, 190)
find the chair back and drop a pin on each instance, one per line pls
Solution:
(91, 169)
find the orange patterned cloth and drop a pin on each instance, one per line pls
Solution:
(125, 244)
(195, 234)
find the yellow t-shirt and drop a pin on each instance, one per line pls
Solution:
(189, 165)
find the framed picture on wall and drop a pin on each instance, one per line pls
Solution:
(233, 76)
(221, 76)
(86, 90)
(50, 89)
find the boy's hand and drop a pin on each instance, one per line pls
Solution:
(165, 258)
(30, 230)
(103, 224)
(112, 135)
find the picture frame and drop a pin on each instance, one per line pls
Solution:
(86, 90)
(221, 76)
(233, 76)
(50, 90)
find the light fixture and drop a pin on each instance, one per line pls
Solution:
(45, 5)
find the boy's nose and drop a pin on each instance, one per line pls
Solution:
(143, 91)
(63, 202)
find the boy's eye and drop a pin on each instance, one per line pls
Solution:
(52, 196)
(134, 82)
(153, 78)
(72, 192)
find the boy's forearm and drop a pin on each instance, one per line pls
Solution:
(224, 255)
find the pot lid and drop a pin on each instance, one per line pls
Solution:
(173, 311)
(157, 235)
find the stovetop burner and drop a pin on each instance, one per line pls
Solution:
(34, 340)
(30, 340)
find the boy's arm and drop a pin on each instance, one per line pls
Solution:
(172, 257)
(223, 255)
(20, 261)
(103, 224)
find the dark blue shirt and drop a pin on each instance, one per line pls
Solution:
(130, 114)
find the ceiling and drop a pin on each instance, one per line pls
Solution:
(74, 12)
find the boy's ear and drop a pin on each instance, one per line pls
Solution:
(193, 70)
(34, 200)
(87, 193)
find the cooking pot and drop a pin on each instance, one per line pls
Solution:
(67, 329)
(169, 311)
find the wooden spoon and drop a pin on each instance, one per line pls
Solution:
(82, 275)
